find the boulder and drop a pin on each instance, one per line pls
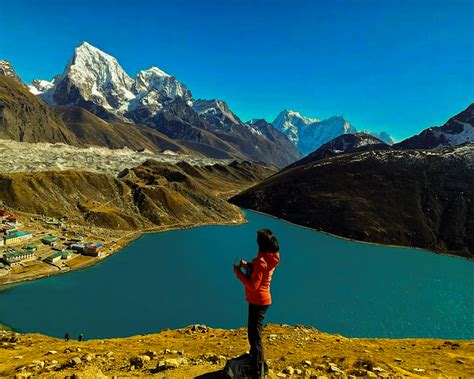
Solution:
(139, 361)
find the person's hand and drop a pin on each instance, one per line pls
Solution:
(236, 269)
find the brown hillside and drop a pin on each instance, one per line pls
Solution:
(150, 195)
(25, 118)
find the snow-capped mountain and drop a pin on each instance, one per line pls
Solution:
(456, 131)
(93, 78)
(291, 123)
(216, 111)
(308, 134)
(6, 69)
(384, 136)
(345, 143)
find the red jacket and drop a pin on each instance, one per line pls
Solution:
(257, 287)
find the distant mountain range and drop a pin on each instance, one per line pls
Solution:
(308, 134)
(95, 102)
(95, 81)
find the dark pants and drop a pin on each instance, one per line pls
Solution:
(254, 331)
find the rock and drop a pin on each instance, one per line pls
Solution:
(74, 362)
(419, 370)
(88, 357)
(333, 368)
(398, 360)
(139, 361)
(378, 369)
(289, 370)
(272, 336)
(78, 349)
(152, 354)
(281, 375)
(371, 374)
(211, 357)
(39, 364)
(109, 354)
(307, 363)
(18, 357)
(460, 361)
(51, 352)
(170, 363)
(298, 371)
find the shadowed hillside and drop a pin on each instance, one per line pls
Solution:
(411, 198)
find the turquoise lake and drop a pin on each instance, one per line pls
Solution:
(183, 277)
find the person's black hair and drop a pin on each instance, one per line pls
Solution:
(267, 242)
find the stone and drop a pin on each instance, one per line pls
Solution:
(334, 368)
(398, 360)
(460, 361)
(170, 363)
(281, 375)
(38, 363)
(139, 361)
(18, 357)
(272, 336)
(307, 363)
(298, 371)
(152, 354)
(109, 354)
(289, 370)
(51, 352)
(211, 357)
(378, 369)
(88, 357)
(418, 369)
(371, 374)
(74, 362)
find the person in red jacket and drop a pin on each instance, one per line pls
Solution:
(256, 279)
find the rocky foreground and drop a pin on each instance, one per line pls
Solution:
(199, 351)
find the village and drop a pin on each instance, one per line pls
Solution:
(33, 246)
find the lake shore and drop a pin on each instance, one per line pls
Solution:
(194, 351)
(81, 263)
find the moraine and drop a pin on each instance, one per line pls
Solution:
(182, 277)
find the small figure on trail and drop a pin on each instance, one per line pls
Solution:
(256, 280)
(67, 337)
(81, 337)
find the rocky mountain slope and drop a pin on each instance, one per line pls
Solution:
(344, 144)
(25, 118)
(95, 81)
(421, 198)
(457, 130)
(201, 352)
(308, 134)
(6, 69)
(152, 194)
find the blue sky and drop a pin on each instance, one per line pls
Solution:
(399, 66)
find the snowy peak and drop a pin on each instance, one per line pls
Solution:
(308, 134)
(154, 87)
(456, 131)
(6, 69)
(98, 77)
(290, 122)
(216, 111)
(37, 86)
(93, 78)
